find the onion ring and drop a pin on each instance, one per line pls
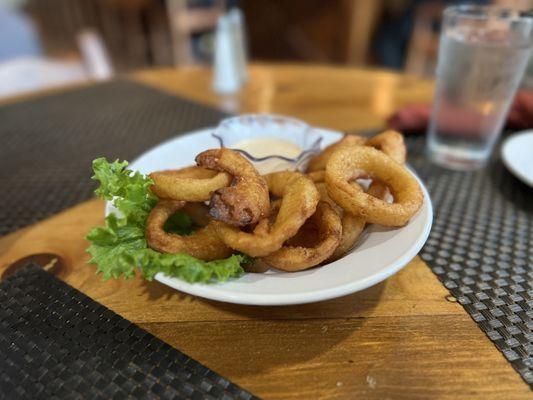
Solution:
(317, 176)
(347, 162)
(352, 225)
(188, 184)
(391, 143)
(246, 201)
(298, 256)
(319, 161)
(299, 198)
(204, 243)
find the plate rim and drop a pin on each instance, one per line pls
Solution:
(506, 157)
(208, 291)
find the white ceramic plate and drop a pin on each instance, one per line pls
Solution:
(380, 252)
(517, 155)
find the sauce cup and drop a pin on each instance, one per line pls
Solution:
(271, 142)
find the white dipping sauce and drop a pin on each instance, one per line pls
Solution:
(264, 147)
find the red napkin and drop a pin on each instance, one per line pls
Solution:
(415, 118)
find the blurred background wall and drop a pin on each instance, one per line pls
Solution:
(134, 34)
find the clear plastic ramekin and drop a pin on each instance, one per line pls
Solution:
(248, 126)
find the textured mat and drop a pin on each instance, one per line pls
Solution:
(48, 143)
(481, 248)
(58, 343)
(481, 245)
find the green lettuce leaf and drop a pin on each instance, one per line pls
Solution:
(130, 191)
(119, 247)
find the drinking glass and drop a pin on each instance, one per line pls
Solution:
(483, 53)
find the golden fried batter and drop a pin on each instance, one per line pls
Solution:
(299, 198)
(321, 235)
(319, 161)
(391, 143)
(188, 184)
(203, 243)
(346, 162)
(246, 200)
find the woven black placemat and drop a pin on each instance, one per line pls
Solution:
(481, 245)
(481, 248)
(55, 342)
(47, 144)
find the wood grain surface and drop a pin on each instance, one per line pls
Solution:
(405, 338)
(338, 98)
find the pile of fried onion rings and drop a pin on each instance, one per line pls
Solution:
(287, 220)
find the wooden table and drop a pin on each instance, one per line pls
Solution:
(405, 338)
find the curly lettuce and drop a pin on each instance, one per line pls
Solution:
(119, 247)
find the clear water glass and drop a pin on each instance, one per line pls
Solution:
(483, 54)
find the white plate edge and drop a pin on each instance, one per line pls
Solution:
(504, 153)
